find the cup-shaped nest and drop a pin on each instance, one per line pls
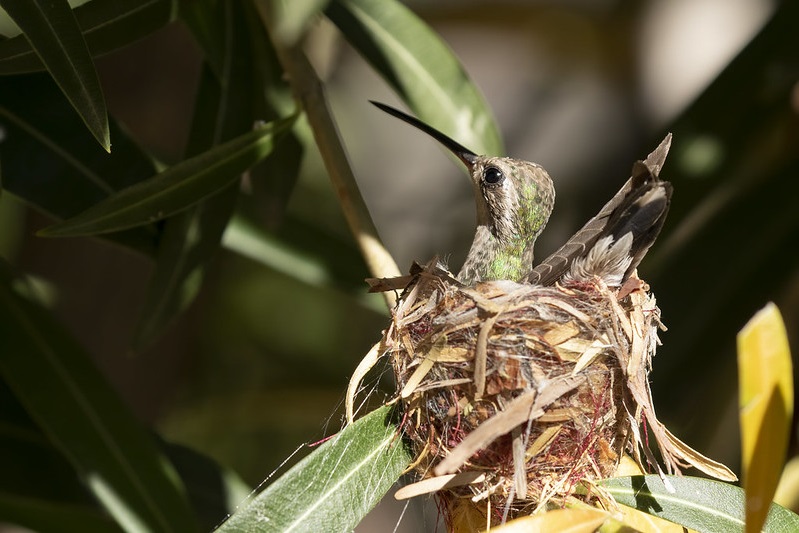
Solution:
(516, 394)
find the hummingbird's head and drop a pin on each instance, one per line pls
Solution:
(514, 197)
(514, 200)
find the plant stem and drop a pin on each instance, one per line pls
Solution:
(309, 92)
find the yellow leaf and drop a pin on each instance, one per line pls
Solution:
(647, 523)
(766, 409)
(627, 467)
(561, 520)
(788, 490)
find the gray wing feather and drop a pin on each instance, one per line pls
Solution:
(630, 210)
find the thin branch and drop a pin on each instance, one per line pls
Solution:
(309, 92)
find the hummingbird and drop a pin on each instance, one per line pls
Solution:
(514, 200)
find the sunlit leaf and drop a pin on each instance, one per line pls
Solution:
(251, 241)
(335, 486)
(700, 504)
(787, 493)
(79, 412)
(53, 32)
(766, 404)
(177, 188)
(561, 520)
(646, 523)
(106, 25)
(420, 67)
(300, 250)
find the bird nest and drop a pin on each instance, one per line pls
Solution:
(515, 395)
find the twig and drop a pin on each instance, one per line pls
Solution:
(309, 92)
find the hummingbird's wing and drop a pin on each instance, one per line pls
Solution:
(638, 209)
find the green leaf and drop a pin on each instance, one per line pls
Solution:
(39, 515)
(32, 467)
(222, 111)
(53, 32)
(273, 181)
(700, 504)
(178, 187)
(213, 490)
(299, 250)
(38, 479)
(188, 241)
(420, 67)
(50, 161)
(106, 25)
(333, 488)
(81, 415)
(202, 19)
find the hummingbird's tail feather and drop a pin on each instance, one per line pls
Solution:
(644, 220)
(609, 259)
(638, 209)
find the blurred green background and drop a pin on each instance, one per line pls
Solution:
(258, 364)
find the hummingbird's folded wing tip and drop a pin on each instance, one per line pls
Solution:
(654, 161)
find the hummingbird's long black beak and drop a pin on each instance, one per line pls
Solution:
(464, 154)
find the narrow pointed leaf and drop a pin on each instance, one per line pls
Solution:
(700, 504)
(222, 111)
(420, 67)
(213, 490)
(32, 467)
(39, 486)
(766, 404)
(188, 240)
(628, 517)
(106, 25)
(335, 486)
(83, 417)
(274, 179)
(300, 250)
(49, 159)
(53, 32)
(177, 188)
(787, 493)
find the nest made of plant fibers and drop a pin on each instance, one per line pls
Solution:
(516, 394)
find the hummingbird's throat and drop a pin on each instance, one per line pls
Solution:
(512, 259)
(514, 200)
(494, 258)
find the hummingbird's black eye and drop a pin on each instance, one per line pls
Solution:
(492, 175)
